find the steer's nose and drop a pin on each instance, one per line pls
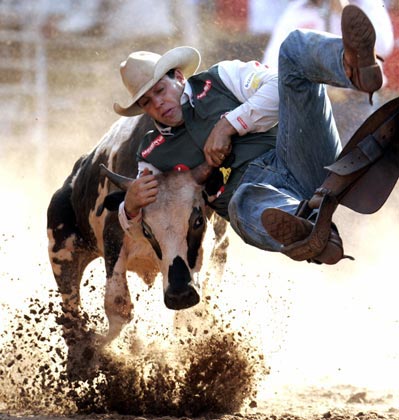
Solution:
(181, 293)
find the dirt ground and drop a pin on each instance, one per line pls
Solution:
(274, 339)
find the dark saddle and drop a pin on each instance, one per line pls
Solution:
(366, 171)
(362, 178)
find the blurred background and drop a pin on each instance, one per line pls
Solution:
(59, 68)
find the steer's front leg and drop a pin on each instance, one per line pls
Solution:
(118, 303)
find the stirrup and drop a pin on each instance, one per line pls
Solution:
(315, 243)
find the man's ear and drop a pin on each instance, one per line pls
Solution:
(180, 76)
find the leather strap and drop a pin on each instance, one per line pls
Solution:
(366, 151)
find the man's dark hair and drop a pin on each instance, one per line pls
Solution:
(171, 73)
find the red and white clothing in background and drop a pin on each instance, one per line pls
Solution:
(305, 15)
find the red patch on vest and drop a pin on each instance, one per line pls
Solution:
(207, 88)
(220, 192)
(155, 143)
(181, 167)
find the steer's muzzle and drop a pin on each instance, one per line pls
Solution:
(181, 293)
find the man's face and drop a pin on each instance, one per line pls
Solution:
(162, 101)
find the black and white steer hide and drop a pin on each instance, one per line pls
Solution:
(169, 239)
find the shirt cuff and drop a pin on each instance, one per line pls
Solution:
(123, 219)
(239, 121)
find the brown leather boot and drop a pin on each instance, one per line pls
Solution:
(289, 229)
(360, 60)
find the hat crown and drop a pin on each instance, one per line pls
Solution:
(138, 70)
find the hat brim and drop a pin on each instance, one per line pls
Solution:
(187, 59)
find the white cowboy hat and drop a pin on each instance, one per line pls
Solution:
(143, 69)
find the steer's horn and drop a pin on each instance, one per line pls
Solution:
(202, 172)
(120, 181)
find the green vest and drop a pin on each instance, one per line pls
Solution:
(183, 149)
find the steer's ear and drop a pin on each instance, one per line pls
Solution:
(202, 172)
(111, 202)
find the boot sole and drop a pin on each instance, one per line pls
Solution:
(359, 39)
(300, 239)
(285, 228)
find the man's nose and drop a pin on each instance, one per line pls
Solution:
(158, 101)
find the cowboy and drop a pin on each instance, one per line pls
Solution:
(268, 136)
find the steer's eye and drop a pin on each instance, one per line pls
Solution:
(147, 233)
(199, 221)
(151, 239)
(196, 229)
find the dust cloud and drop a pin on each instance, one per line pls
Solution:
(267, 329)
(202, 360)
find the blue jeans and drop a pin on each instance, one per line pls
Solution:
(307, 139)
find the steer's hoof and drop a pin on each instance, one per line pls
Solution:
(181, 298)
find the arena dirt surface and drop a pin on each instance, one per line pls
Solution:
(271, 340)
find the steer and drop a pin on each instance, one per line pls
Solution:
(82, 226)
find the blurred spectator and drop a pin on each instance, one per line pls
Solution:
(80, 16)
(54, 16)
(254, 16)
(325, 15)
(263, 15)
(391, 65)
(135, 18)
(154, 18)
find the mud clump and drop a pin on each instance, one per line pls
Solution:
(220, 376)
(32, 362)
(215, 375)
(214, 372)
(121, 386)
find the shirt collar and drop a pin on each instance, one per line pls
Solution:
(187, 94)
